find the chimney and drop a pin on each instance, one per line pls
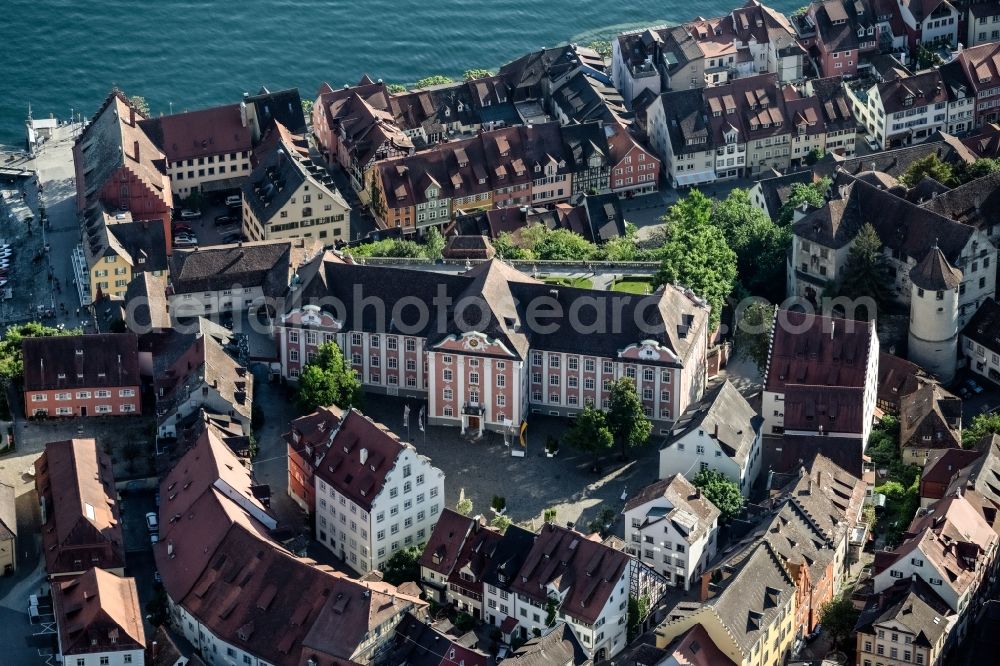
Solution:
(717, 430)
(154, 650)
(819, 480)
(131, 115)
(364, 456)
(170, 549)
(135, 149)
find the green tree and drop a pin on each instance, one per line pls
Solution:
(328, 380)
(590, 434)
(433, 244)
(501, 523)
(696, 254)
(813, 194)
(926, 58)
(625, 418)
(435, 80)
(866, 271)
(389, 247)
(471, 74)
(752, 338)
(563, 244)
(464, 505)
(508, 249)
(307, 109)
(549, 515)
(981, 426)
(928, 166)
(395, 88)
(978, 169)
(140, 104)
(638, 609)
(404, 566)
(603, 48)
(721, 492)
(839, 616)
(815, 155)
(760, 245)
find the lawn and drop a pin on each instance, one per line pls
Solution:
(579, 283)
(633, 285)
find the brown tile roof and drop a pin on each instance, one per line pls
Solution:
(922, 89)
(984, 141)
(312, 431)
(691, 513)
(558, 647)
(897, 377)
(83, 525)
(952, 535)
(446, 542)
(934, 273)
(819, 363)
(982, 475)
(469, 247)
(910, 605)
(213, 131)
(360, 458)
(97, 611)
(109, 142)
(104, 360)
(585, 571)
(695, 648)
(943, 466)
(930, 418)
(829, 496)
(267, 264)
(205, 363)
(146, 303)
(982, 65)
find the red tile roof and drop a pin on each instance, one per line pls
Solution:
(695, 648)
(586, 571)
(77, 489)
(360, 457)
(214, 131)
(446, 541)
(97, 611)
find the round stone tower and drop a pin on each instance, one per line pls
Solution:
(934, 315)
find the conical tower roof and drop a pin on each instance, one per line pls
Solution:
(934, 273)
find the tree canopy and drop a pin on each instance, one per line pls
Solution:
(476, 73)
(928, 166)
(866, 271)
(435, 80)
(696, 254)
(813, 194)
(590, 433)
(434, 244)
(760, 245)
(625, 418)
(403, 567)
(839, 616)
(721, 492)
(981, 426)
(388, 247)
(328, 380)
(11, 359)
(140, 104)
(752, 337)
(984, 166)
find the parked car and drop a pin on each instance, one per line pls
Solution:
(185, 242)
(973, 386)
(872, 143)
(234, 200)
(154, 539)
(225, 219)
(187, 214)
(181, 227)
(232, 238)
(185, 238)
(151, 521)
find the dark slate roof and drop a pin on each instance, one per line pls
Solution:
(146, 303)
(934, 273)
(687, 122)
(607, 220)
(283, 106)
(930, 412)
(725, 415)
(984, 327)
(983, 474)
(559, 647)
(494, 288)
(897, 377)
(581, 142)
(976, 203)
(508, 556)
(900, 224)
(469, 247)
(894, 162)
(105, 359)
(269, 264)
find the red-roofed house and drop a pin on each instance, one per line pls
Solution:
(81, 524)
(98, 619)
(635, 169)
(589, 582)
(374, 494)
(822, 377)
(981, 65)
(206, 150)
(308, 438)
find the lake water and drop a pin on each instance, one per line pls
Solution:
(185, 54)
